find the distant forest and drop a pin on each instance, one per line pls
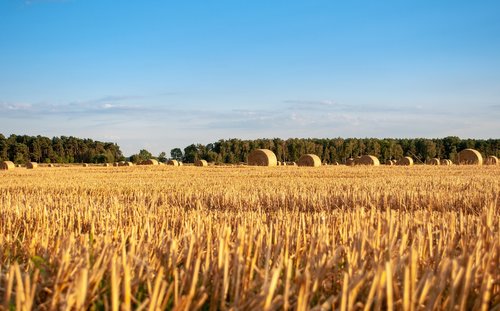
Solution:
(23, 148)
(337, 149)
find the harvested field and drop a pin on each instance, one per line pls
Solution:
(250, 238)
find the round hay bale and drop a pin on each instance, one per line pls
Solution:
(7, 165)
(106, 165)
(470, 157)
(85, 165)
(283, 163)
(446, 162)
(31, 165)
(492, 160)
(262, 157)
(309, 160)
(434, 161)
(173, 162)
(350, 162)
(115, 164)
(389, 162)
(150, 162)
(200, 163)
(406, 161)
(367, 160)
(51, 165)
(291, 164)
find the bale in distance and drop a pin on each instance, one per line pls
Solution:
(7, 165)
(492, 160)
(291, 163)
(446, 162)
(85, 165)
(173, 162)
(367, 160)
(51, 165)
(434, 161)
(123, 163)
(116, 164)
(31, 165)
(470, 157)
(309, 160)
(106, 165)
(389, 162)
(350, 162)
(406, 161)
(201, 163)
(150, 162)
(262, 157)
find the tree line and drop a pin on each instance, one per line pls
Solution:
(23, 148)
(332, 150)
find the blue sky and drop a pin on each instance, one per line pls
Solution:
(164, 74)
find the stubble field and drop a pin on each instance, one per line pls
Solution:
(249, 238)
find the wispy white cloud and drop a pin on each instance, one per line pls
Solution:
(137, 122)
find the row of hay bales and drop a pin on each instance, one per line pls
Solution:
(265, 157)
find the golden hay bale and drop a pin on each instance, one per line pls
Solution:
(85, 165)
(116, 164)
(106, 165)
(446, 162)
(389, 162)
(173, 162)
(150, 162)
(51, 165)
(367, 160)
(434, 161)
(31, 165)
(492, 160)
(123, 163)
(283, 163)
(406, 161)
(200, 163)
(350, 162)
(262, 157)
(470, 157)
(309, 160)
(7, 165)
(291, 163)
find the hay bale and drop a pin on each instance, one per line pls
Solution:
(492, 160)
(200, 163)
(7, 165)
(367, 160)
(123, 163)
(434, 161)
(470, 157)
(51, 165)
(446, 162)
(31, 165)
(150, 162)
(291, 164)
(106, 165)
(309, 160)
(85, 165)
(173, 162)
(406, 161)
(262, 157)
(350, 162)
(389, 162)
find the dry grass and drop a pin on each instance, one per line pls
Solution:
(336, 237)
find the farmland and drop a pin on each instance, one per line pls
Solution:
(333, 237)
